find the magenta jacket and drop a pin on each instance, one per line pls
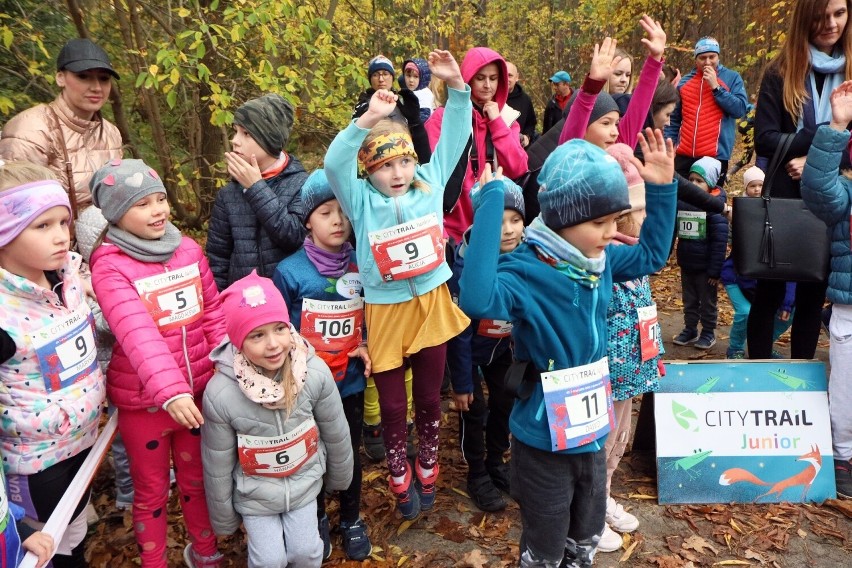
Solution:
(637, 109)
(506, 139)
(149, 367)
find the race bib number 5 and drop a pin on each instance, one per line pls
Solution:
(66, 349)
(174, 299)
(278, 456)
(408, 250)
(579, 404)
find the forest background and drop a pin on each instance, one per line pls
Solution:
(186, 65)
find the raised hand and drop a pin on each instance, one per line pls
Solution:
(443, 65)
(604, 60)
(659, 157)
(655, 42)
(841, 106)
(382, 103)
(487, 176)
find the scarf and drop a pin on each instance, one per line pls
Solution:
(563, 256)
(818, 106)
(146, 250)
(278, 392)
(280, 164)
(329, 264)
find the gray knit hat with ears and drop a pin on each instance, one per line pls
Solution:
(269, 120)
(121, 183)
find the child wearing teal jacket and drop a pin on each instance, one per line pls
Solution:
(555, 288)
(397, 216)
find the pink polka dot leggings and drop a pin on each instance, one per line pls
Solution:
(153, 439)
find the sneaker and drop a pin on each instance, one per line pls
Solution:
(426, 486)
(407, 499)
(374, 443)
(356, 543)
(618, 518)
(685, 337)
(195, 560)
(499, 475)
(734, 354)
(610, 540)
(325, 535)
(843, 478)
(484, 494)
(410, 448)
(706, 341)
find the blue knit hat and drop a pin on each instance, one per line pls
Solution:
(709, 169)
(513, 196)
(315, 191)
(706, 45)
(580, 182)
(379, 63)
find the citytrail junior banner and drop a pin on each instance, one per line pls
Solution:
(743, 432)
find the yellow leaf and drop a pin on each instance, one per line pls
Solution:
(482, 523)
(629, 552)
(175, 76)
(802, 534)
(732, 563)
(373, 475)
(183, 12)
(154, 69)
(404, 526)
(641, 496)
(401, 560)
(460, 492)
(736, 527)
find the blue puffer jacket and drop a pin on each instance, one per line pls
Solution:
(829, 196)
(708, 254)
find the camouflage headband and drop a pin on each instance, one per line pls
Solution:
(383, 149)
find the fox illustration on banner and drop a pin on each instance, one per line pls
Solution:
(804, 478)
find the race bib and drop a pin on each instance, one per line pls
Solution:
(278, 456)
(66, 349)
(691, 225)
(579, 404)
(649, 331)
(496, 329)
(332, 326)
(408, 250)
(173, 299)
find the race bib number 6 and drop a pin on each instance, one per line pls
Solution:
(66, 349)
(174, 299)
(408, 250)
(278, 456)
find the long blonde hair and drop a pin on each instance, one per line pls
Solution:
(13, 174)
(793, 61)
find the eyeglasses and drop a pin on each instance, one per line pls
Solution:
(382, 74)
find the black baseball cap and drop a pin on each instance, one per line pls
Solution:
(80, 55)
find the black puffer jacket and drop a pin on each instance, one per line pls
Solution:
(257, 228)
(707, 254)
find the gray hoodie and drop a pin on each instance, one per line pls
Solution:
(228, 413)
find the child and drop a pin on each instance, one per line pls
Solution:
(485, 345)
(322, 287)
(741, 290)
(555, 288)
(397, 216)
(635, 348)
(496, 135)
(828, 194)
(273, 427)
(257, 217)
(701, 247)
(158, 296)
(52, 389)
(416, 78)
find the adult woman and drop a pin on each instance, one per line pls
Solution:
(621, 80)
(69, 135)
(794, 98)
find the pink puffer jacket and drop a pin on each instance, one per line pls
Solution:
(150, 365)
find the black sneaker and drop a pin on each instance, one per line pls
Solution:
(484, 494)
(374, 443)
(499, 474)
(843, 478)
(356, 543)
(686, 337)
(706, 341)
(325, 535)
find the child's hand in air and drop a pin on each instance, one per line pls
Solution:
(382, 103)
(443, 65)
(659, 157)
(841, 106)
(655, 43)
(604, 60)
(185, 413)
(487, 176)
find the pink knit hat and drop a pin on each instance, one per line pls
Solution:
(635, 184)
(251, 302)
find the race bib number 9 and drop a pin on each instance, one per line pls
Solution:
(649, 331)
(408, 250)
(332, 325)
(66, 349)
(173, 299)
(579, 404)
(691, 225)
(278, 456)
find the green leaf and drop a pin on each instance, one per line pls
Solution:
(171, 98)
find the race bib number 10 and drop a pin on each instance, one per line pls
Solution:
(174, 299)
(691, 225)
(408, 250)
(66, 349)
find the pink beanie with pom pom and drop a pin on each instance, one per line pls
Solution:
(635, 184)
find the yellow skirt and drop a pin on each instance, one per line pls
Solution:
(395, 331)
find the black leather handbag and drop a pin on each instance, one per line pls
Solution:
(779, 239)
